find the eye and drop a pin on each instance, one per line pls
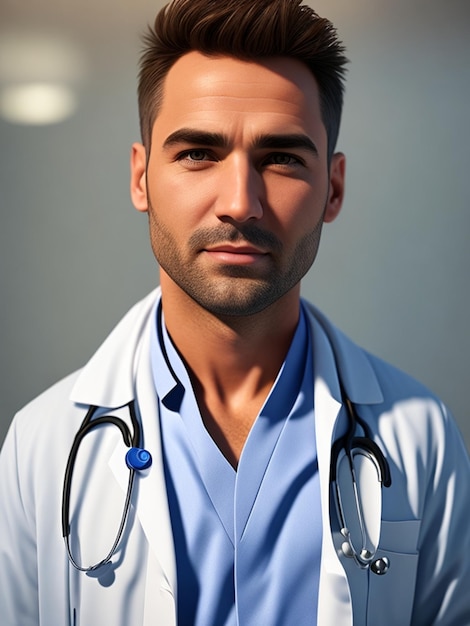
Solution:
(196, 155)
(283, 159)
(196, 158)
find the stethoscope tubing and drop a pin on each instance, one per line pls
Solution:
(351, 445)
(131, 441)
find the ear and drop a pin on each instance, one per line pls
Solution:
(139, 177)
(336, 190)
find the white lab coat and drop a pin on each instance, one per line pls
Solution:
(425, 531)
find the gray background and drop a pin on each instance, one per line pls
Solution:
(392, 271)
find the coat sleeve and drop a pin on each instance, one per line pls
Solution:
(18, 563)
(442, 595)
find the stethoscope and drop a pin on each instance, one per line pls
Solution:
(351, 455)
(137, 459)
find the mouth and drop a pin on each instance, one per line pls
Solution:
(235, 254)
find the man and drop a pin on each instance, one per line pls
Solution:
(242, 400)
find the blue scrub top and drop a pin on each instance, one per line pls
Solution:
(247, 542)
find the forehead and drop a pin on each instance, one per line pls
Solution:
(212, 90)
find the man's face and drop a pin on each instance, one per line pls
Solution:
(237, 183)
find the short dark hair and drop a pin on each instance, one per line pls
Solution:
(249, 30)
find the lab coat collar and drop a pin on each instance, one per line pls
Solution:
(108, 379)
(355, 369)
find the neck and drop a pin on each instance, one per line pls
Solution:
(232, 361)
(229, 347)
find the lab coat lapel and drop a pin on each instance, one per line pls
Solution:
(150, 497)
(334, 606)
(334, 353)
(152, 507)
(149, 493)
(118, 373)
(150, 501)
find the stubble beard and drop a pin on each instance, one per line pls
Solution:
(233, 291)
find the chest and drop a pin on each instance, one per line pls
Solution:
(263, 517)
(229, 426)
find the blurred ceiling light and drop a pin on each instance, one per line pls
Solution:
(38, 77)
(37, 103)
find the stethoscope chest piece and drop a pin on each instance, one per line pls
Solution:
(380, 566)
(138, 459)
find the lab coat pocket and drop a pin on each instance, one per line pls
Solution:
(391, 592)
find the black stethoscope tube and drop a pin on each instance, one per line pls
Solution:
(348, 442)
(132, 441)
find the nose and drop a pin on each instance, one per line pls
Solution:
(240, 195)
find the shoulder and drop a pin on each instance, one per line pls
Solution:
(411, 425)
(402, 405)
(348, 353)
(56, 394)
(44, 421)
(56, 413)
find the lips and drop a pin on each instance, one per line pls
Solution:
(232, 249)
(235, 255)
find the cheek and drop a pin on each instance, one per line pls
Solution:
(180, 199)
(298, 208)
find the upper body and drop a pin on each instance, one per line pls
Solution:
(240, 106)
(424, 530)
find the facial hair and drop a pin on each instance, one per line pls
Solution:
(233, 290)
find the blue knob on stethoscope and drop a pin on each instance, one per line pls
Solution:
(138, 459)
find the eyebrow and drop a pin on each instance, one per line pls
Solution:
(196, 137)
(278, 141)
(286, 142)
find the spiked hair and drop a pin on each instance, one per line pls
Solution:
(248, 30)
